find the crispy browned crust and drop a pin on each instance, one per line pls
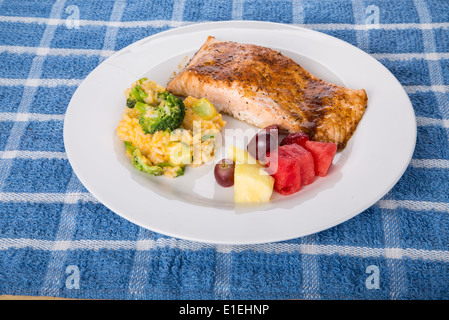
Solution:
(298, 100)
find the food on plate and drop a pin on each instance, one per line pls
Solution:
(307, 164)
(167, 116)
(294, 168)
(296, 137)
(263, 142)
(323, 153)
(287, 172)
(263, 87)
(306, 160)
(224, 172)
(240, 156)
(204, 109)
(293, 164)
(252, 184)
(273, 127)
(297, 161)
(163, 134)
(140, 162)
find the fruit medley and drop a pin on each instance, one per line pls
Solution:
(266, 166)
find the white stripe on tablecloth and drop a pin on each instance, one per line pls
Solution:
(431, 88)
(430, 163)
(414, 205)
(26, 154)
(56, 51)
(411, 56)
(178, 11)
(174, 24)
(139, 271)
(16, 132)
(310, 268)
(344, 250)
(12, 116)
(297, 12)
(222, 285)
(435, 73)
(111, 31)
(237, 9)
(67, 223)
(394, 262)
(36, 82)
(98, 23)
(385, 26)
(41, 197)
(426, 121)
(362, 35)
(281, 247)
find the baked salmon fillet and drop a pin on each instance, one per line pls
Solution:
(262, 87)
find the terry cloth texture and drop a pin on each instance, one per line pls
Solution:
(53, 232)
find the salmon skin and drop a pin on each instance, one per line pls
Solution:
(262, 87)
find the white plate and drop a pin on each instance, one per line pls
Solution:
(193, 206)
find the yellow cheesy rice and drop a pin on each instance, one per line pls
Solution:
(198, 134)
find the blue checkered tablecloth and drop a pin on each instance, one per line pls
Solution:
(57, 240)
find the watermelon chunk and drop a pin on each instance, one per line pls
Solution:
(323, 154)
(307, 164)
(291, 167)
(284, 167)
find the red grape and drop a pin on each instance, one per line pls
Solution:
(276, 127)
(262, 143)
(272, 127)
(224, 172)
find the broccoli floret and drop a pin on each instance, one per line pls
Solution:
(131, 102)
(139, 164)
(156, 170)
(137, 94)
(164, 95)
(141, 107)
(180, 171)
(168, 116)
(130, 147)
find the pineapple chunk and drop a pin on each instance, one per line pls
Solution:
(252, 184)
(240, 156)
